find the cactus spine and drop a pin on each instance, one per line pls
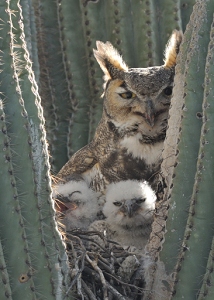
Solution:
(70, 83)
(33, 251)
(187, 166)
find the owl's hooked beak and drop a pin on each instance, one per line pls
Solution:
(129, 208)
(150, 115)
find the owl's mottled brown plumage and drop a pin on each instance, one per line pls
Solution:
(129, 138)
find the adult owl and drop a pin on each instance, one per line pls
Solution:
(128, 141)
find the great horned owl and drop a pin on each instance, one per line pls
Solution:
(129, 138)
(76, 204)
(129, 210)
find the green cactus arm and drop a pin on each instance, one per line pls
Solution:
(176, 215)
(54, 250)
(125, 31)
(167, 19)
(30, 163)
(30, 35)
(34, 51)
(144, 44)
(53, 86)
(93, 30)
(16, 256)
(207, 289)
(199, 230)
(46, 89)
(188, 143)
(5, 288)
(186, 10)
(75, 66)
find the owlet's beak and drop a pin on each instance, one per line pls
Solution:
(128, 208)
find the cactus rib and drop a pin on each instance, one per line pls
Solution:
(188, 142)
(29, 172)
(5, 288)
(91, 18)
(74, 62)
(206, 292)
(53, 248)
(58, 102)
(144, 34)
(195, 247)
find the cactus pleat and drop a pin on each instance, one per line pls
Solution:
(187, 164)
(53, 87)
(167, 18)
(186, 10)
(5, 288)
(27, 214)
(144, 42)
(189, 132)
(91, 19)
(75, 67)
(199, 230)
(30, 35)
(15, 246)
(207, 288)
(33, 262)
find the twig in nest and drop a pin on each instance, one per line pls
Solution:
(124, 283)
(88, 291)
(77, 277)
(102, 278)
(115, 292)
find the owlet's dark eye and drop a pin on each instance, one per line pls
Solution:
(168, 91)
(140, 200)
(127, 95)
(117, 203)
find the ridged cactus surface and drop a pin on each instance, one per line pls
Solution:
(33, 259)
(183, 229)
(47, 58)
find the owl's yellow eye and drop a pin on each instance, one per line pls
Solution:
(128, 95)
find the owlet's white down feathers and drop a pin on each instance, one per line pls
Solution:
(129, 210)
(76, 203)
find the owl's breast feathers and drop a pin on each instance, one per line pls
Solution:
(113, 156)
(129, 138)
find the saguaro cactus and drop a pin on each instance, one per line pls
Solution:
(58, 38)
(183, 242)
(33, 261)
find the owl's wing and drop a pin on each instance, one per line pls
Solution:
(82, 161)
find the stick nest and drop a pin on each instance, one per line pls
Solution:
(103, 270)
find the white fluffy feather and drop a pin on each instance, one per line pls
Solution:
(83, 198)
(127, 230)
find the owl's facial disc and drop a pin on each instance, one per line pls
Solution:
(129, 106)
(130, 207)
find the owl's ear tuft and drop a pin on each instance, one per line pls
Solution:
(110, 61)
(172, 49)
